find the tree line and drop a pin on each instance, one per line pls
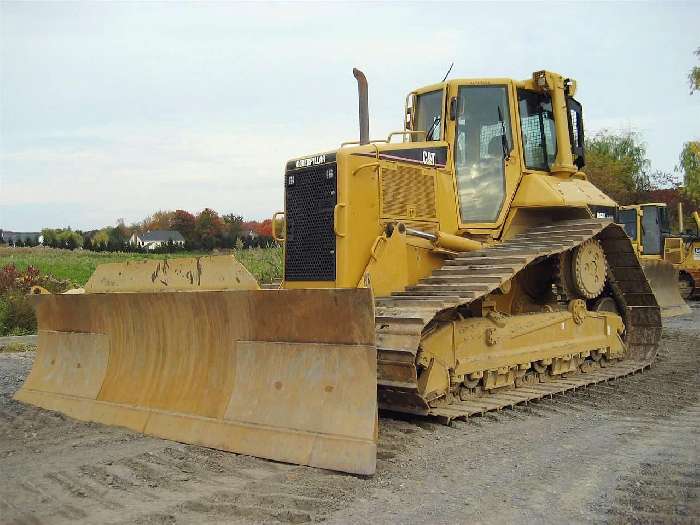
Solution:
(617, 163)
(206, 230)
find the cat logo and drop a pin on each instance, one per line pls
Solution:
(429, 158)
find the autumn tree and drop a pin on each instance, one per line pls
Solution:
(209, 229)
(617, 164)
(673, 197)
(233, 228)
(265, 228)
(689, 165)
(160, 220)
(184, 222)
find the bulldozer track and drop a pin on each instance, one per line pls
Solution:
(402, 318)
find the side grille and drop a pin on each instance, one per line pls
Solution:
(310, 197)
(408, 192)
(673, 250)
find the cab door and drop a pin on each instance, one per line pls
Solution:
(485, 156)
(651, 230)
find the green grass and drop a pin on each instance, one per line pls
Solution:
(264, 263)
(16, 347)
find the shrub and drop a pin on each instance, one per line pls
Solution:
(4, 307)
(16, 312)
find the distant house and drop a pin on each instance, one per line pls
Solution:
(156, 239)
(12, 238)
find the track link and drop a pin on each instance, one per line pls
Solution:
(402, 318)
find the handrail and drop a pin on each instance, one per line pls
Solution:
(363, 166)
(357, 142)
(274, 230)
(406, 132)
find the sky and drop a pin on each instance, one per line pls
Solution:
(116, 110)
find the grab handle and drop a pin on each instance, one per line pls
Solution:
(274, 229)
(336, 229)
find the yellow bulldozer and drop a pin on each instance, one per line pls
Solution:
(667, 258)
(465, 267)
(689, 268)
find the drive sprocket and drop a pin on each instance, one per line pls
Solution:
(582, 272)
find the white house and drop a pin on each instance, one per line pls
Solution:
(157, 238)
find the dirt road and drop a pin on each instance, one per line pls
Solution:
(617, 452)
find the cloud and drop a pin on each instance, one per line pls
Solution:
(114, 110)
(159, 168)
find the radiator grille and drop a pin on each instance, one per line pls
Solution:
(408, 192)
(310, 196)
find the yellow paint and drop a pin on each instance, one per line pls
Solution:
(464, 347)
(222, 272)
(662, 270)
(374, 191)
(261, 372)
(290, 374)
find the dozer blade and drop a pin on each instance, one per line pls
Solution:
(663, 279)
(288, 375)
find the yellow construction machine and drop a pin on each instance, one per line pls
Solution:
(465, 267)
(661, 253)
(689, 268)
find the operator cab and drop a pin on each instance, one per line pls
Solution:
(498, 128)
(647, 225)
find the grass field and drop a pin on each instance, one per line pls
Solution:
(264, 263)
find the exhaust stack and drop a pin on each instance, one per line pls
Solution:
(364, 106)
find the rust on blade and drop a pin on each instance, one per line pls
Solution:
(289, 375)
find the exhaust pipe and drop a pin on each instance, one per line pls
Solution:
(364, 105)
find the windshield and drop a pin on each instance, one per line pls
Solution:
(628, 220)
(428, 116)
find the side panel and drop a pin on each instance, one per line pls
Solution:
(381, 185)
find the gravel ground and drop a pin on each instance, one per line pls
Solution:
(620, 452)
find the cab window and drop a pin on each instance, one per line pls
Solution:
(482, 145)
(538, 131)
(628, 220)
(428, 116)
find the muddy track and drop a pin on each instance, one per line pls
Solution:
(621, 451)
